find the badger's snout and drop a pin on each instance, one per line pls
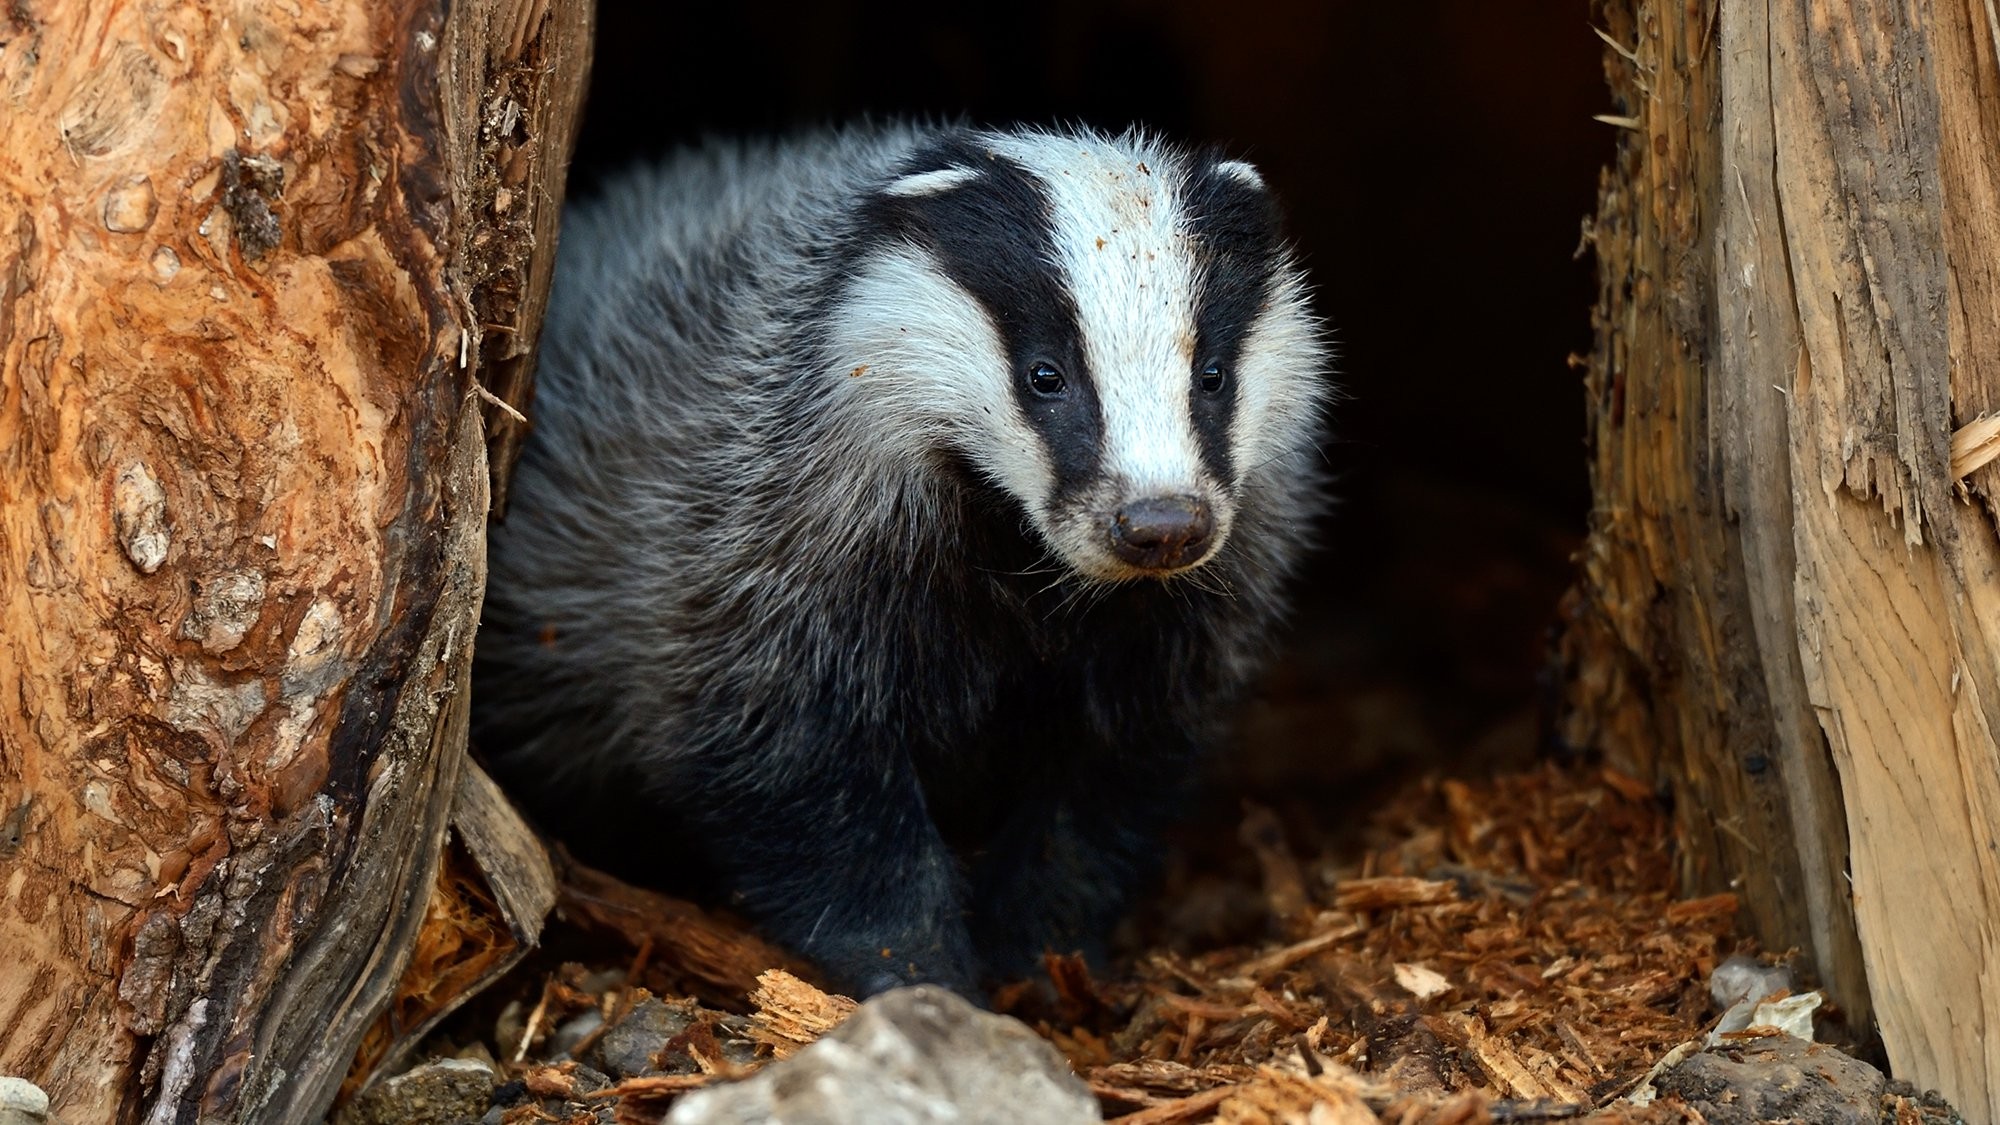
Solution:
(1162, 532)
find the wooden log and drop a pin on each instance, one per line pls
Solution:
(1669, 677)
(243, 491)
(1788, 608)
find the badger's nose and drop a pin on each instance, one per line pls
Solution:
(1162, 532)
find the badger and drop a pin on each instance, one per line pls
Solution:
(906, 509)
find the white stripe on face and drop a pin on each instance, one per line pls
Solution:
(1279, 391)
(930, 183)
(917, 348)
(1121, 244)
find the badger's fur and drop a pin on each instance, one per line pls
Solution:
(906, 507)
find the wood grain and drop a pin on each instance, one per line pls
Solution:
(1665, 631)
(242, 503)
(1757, 345)
(1886, 216)
(1785, 566)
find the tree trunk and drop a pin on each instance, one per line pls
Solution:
(1790, 603)
(247, 253)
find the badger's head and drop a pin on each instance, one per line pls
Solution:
(1112, 330)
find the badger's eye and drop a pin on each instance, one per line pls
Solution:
(1213, 379)
(1045, 379)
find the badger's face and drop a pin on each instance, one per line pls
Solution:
(1111, 330)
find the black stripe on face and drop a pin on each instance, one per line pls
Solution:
(1238, 239)
(992, 235)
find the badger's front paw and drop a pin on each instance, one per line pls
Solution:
(862, 965)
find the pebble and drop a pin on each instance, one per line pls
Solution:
(22, 1102)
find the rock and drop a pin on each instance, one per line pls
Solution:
(574, 1031)
(443, 1091)
(1741, 977)
(628, 1049)
(589, 1080)
(911, 1056)
(1906, 1105)
(22, 1102)
(1777, 1078)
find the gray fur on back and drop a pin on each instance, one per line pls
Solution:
(672, 438)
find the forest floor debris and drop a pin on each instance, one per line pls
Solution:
(1496, 951)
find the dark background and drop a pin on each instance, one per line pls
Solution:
(1436, 159)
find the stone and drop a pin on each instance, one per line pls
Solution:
(22, 1102)
(911, 1056)
(1777, 1078)
(574, 1031)
(628, 1049)
(1742, 977)
(444, 1090)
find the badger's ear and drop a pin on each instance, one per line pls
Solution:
(918, 185)
(1242, 171)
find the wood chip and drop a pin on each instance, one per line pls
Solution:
(1420, 982)
(653, 1085)
(1500, 1061)
(791, 1013)
(715, 959)
(557, 1080)
(1189, 1108)
(1974, 445)
(1169, 1079)
(1384, 892)
(1720, 906)
(1292, 954)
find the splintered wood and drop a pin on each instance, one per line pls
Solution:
(792, 1013)
(462, 942)
(1506, 951)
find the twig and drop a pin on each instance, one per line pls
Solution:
(495, 400)
(534, 1020)
(1292, 954)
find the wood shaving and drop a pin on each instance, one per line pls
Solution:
(791, 1013)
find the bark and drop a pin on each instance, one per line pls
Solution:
(1791, 595)
(243, 490)
(485, 912)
